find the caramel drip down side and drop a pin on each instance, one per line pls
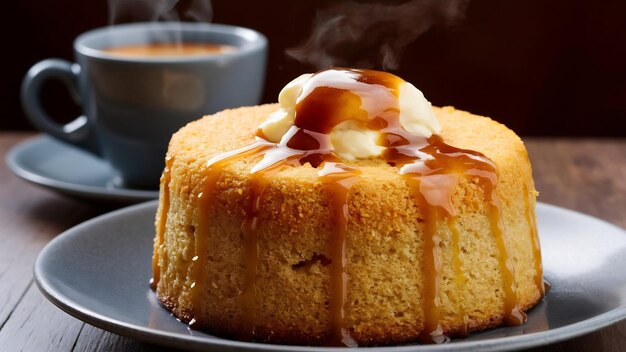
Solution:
(431, 263)
(197, 273)
(259, 182)
(513, 314)
(534, 235)
(436, 176)
(251, 257)
(160, 228)
(199, 248)
(337, 180)
(460, 280)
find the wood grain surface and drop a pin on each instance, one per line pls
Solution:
(587, 175)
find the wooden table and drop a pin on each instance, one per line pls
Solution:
(588, 175)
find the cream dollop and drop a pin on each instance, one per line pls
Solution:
(350, 139)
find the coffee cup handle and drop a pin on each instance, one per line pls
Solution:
(76, 132)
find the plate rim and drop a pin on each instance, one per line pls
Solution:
(18, 168)
(172, 339)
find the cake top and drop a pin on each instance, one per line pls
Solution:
(349, 112)
(405, 138)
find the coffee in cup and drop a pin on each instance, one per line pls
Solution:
(139, 83)
(169, 49)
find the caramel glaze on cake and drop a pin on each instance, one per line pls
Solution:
(288, 243)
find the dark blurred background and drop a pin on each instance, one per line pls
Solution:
(542, 67)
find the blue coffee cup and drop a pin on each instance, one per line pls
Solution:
(133, 104)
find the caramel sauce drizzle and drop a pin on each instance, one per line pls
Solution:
(160, 235)
(534, 235)
(432, 330)
(430, 167)
(205, 199)
(260, 180)
(460, 280)
(199, 244)
(513, 314)
(444, 162)
(251, 254)
(338, 179)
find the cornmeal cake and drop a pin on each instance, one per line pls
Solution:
(303, 243)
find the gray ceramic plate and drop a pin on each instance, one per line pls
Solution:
(71, 171)
(98, 272)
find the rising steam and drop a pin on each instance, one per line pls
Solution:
(372, 34)
(159, 10)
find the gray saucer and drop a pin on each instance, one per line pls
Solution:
(71, 171)
(99, 270)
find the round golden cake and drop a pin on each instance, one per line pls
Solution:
(407, 275)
